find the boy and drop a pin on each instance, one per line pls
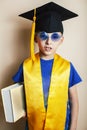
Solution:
(49, 80)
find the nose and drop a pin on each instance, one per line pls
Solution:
(48, 41)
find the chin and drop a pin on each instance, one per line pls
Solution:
(48, 53)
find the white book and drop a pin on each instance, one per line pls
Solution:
(13, 102)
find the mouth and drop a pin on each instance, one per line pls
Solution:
(48, 48)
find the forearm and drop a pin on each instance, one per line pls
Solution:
(74, 115)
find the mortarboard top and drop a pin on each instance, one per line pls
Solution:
(49, 17)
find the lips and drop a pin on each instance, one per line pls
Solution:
(48, 48)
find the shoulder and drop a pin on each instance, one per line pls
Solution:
(29, 59)
(58, 57)
(26, 60)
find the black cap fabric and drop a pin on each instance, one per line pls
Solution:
(49, 17)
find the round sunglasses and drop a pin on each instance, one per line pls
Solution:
(44, 36)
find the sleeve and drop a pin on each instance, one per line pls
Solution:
(74, 76)
(18, 77)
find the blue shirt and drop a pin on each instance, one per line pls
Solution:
(46, 69)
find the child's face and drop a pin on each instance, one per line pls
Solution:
(48, 42)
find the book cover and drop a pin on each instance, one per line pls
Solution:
(13, 102)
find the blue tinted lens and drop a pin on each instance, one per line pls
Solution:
(43, 35)
(55, 36)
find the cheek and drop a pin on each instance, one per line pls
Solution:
(40, 44)
(55, 45)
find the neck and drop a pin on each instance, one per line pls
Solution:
(46, 57)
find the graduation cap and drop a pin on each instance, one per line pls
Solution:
(47, 18)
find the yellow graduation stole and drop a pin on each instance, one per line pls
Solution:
(55, 116)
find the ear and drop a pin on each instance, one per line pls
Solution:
(62, 39)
